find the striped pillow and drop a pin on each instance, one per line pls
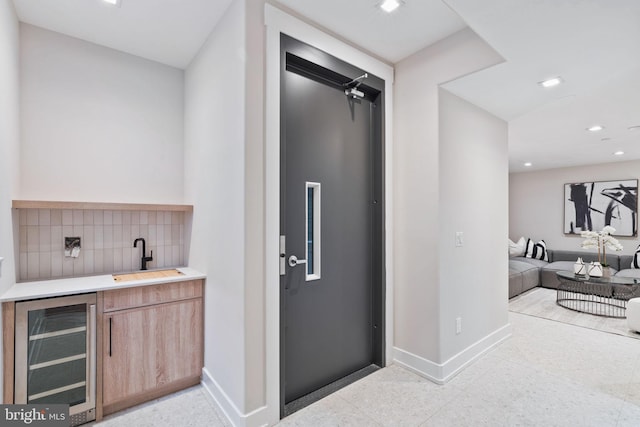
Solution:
(536, 250)
(635, 262)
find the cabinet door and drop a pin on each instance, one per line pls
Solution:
(150, 347)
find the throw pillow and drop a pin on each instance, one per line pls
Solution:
(517, 249)
(536, 250)
(635, 262)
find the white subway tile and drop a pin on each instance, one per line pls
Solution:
(56, 216)
(153, 215)
(23, 238)
(117, 217)
(88, 259)
(88, 237)
(135, 217)
(57, 242)
(126, 218)
(44, 217)
(22, 217)
(135, 231)
(67, 266)
(78, 217)
(32, 216)
(108, 237)
(98, 217)
(117, 258)
(78, 265)
(78, 231)
(45, 238)
(56, 263)
(144, 217)
(160, 234)
(98, 261)
(23, 261)
(160, 257)
(98, 236)
(108, 218)
(153, 234)
(33, 265)
(88, 217)
(175, 259)
(67, 217)
(126, 259)
(167, 217)
(33, 238)
(117, 236)
(127, 238)
(167, 235)
(45, 265)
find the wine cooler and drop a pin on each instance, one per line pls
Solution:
(55, 354)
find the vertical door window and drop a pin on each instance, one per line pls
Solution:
(312, 234)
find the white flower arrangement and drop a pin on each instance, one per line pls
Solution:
(602, 240)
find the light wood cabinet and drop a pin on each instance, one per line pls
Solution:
(152, 342)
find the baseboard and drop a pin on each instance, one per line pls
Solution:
(441, 373)
(256, 418)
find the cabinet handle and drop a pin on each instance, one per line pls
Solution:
(110, 326)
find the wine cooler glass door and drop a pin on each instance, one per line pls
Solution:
(55, 352)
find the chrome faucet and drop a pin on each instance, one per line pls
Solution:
(145, 259)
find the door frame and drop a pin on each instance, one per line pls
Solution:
(277, 23)
(316, 65)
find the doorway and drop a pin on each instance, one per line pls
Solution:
(331, 224)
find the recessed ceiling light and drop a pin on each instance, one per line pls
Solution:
(637, 127)
(528, 164)
(555, 81)
(605, 139)
(390, 5)
(112, 2)
(595, 128)
(618, 153)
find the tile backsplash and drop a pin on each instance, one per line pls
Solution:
(106, 241)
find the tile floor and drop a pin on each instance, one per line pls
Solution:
(547, 374)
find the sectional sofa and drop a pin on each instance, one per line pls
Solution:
(527, 273)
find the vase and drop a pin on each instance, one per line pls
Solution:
(594, 269)
(606, 271)
(579, 268)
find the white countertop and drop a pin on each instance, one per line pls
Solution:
(88, 284)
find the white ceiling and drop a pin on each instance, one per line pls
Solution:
(592, 44)
(166, 31)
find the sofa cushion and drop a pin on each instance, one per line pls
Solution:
(515, 283)
(536, 250)
(517, 248)
(535, 262)
(635, 263)
(625, 262)
(520, 266)
(629, 272)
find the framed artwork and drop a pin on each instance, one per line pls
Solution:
(592, 205)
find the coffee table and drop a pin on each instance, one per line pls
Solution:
(601, 296)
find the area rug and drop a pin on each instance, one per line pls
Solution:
(541, 302)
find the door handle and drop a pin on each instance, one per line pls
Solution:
(293, 261)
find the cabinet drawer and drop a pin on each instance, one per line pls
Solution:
(140, 296)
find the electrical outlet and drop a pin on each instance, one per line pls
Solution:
(458, 325)
(459, 239)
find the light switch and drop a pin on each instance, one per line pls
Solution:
(459, 238)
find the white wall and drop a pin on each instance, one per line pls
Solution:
(9, 139)
(215, 183)
(473, 199)
(97, 124)
(418, 219)
(536, 202)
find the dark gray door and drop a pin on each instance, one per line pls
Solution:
(329, 216)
